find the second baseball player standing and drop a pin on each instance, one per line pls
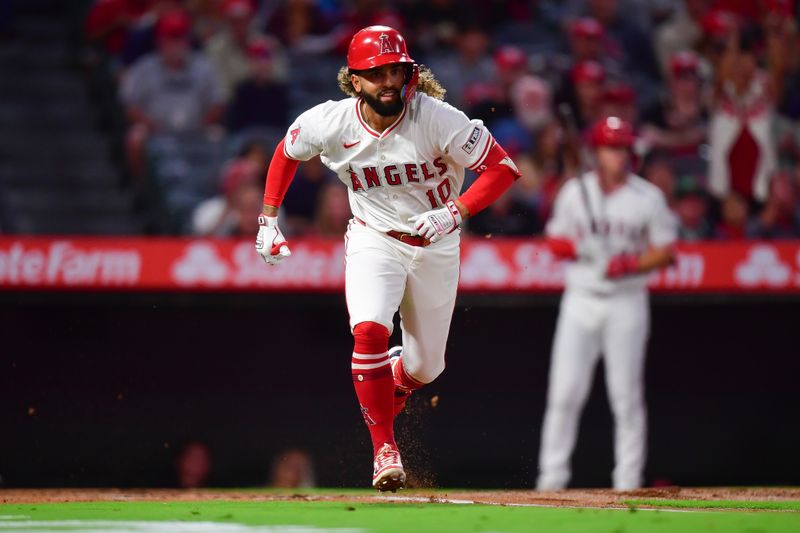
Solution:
(614, 227)
(401, 152)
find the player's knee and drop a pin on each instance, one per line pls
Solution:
(563, 402)
(423, 370)
(370, 337)
(627, 404)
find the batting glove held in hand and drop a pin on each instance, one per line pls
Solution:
(270, 242)
(437, 222)
(622, 265)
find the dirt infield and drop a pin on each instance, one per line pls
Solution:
(594, 498)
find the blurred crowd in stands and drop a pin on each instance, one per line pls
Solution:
(194, 467)
(208, 87)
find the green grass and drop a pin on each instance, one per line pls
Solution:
(389, 517)
(718, 504)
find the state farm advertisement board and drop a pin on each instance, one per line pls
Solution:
(488, 265)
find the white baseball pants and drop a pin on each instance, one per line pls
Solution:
(383, 274)
(616, 326)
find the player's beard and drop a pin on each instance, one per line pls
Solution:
(384, 109)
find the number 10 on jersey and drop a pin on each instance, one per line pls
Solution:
(443, 190)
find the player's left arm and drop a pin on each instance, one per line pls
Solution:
(651, 259)
(469, 144)
(662, 233)
(499, 174)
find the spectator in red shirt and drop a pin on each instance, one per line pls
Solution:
(743, 148)
(733, 225)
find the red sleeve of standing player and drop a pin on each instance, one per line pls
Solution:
(562, 247)
(279, 176)
(499, 174)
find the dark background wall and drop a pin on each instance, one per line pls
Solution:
(99, 390)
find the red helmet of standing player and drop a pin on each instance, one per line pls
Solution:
(613, 132)
(375, 46)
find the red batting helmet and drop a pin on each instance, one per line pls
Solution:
(612, 131)
(375, 46)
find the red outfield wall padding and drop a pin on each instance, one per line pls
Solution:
(487, 265)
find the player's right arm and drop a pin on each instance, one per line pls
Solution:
(301, 143)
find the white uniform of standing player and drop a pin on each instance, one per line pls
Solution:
(402, 245)
(616, 229)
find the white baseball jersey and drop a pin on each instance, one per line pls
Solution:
(628, 220)
(415, 165)
(602, 316)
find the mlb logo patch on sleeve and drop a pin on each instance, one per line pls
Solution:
(474, 137)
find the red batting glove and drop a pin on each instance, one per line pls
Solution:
(622, 265)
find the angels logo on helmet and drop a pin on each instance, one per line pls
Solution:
(386, 47)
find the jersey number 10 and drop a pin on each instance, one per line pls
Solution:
(444, 193)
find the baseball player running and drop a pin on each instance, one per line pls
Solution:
(401, 152)
(614, 227)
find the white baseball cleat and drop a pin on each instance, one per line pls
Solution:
(550, 483)
(388, 473)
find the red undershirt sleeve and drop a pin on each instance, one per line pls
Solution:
(499, 175)
(562, 247)
(279, 176)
